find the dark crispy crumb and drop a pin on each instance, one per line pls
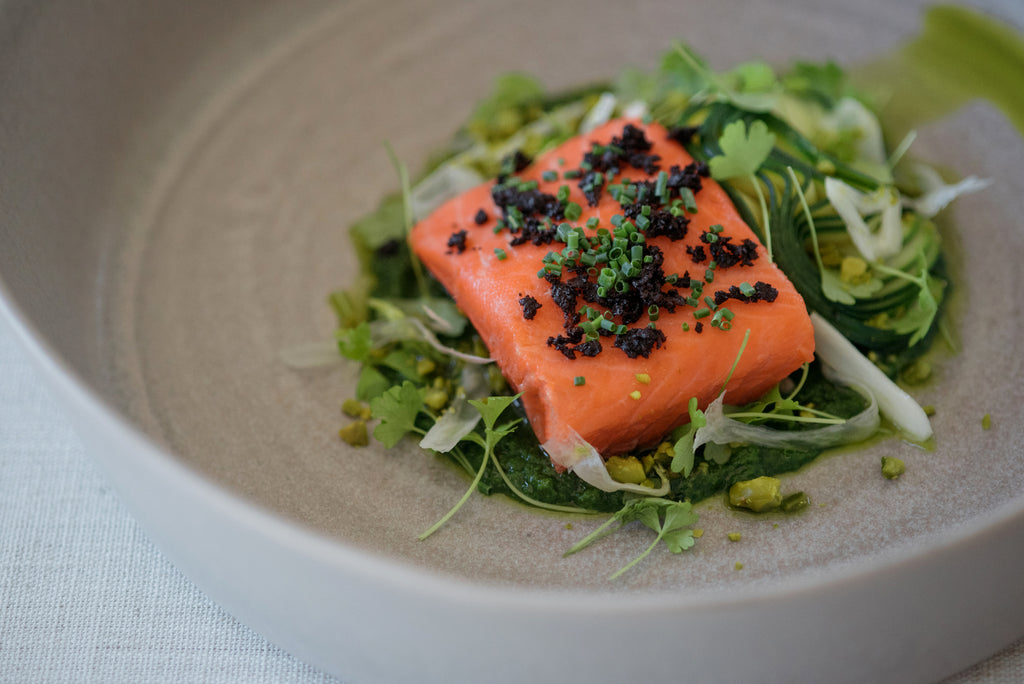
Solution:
(530, 306)
(682, 134)
(762, 292)
(631, 148)
(727, 254)
(697, 253)
(513, 163)
(698, 326)
(481, 217)
(640, 341)
(458, 241)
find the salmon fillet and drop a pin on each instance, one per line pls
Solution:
(632, 395)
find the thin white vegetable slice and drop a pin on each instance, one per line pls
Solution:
(843, 360)
(454, 424)
(582, 459)
(937, 193)
(721, 429)
(851, 205)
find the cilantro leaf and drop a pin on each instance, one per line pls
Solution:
(354, 343)
(491, 408)
(372, 383)
(743, 150)
(671, 520)
(397, 410)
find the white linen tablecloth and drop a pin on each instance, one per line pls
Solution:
(84, 595)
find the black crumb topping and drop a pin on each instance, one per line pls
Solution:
(640, 341)
(699, 327)
(530, 306)
(529, 203)
(571, 345)
(727, 254)
(458, 241)
(697, 253)
(763, 292)
(481, 217)
(512, 164)
(682, 134)
(663, 223)
(632, 148)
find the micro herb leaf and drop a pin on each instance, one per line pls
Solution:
(682, 450)
(371, 383)
(671, 520)
(743, 150)
(490, 410)
(397, 410)
(354, 343)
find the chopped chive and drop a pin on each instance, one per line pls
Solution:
(573, 211)
(710, 301)
(549, 176)
(579, 381)
(593, 222)
(500, 253)
(652, 312)
(702, 312)
(686, 326)
(716, 229)
(563, 193)
(571, 174)
(709, 276)
(688, 200)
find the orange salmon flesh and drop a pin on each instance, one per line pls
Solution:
(624, 403)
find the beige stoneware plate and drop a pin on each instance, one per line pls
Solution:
(175, 184)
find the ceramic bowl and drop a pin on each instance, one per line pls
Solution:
(175, 184)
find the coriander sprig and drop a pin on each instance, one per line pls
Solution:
(671, 520)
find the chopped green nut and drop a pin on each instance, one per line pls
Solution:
(734, 536)
(918, 372)
(795, 502)
(635, 394)
(986, 422)
(929, 410)
(436, 398)
(758, 495)
(356, 409)
(738, 566)
(355, 434)
(425, 367)
(627, 469)
(892, 467)
(643, 378)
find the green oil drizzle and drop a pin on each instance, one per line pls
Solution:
(960, 55)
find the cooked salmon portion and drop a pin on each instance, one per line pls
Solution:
(610, 340)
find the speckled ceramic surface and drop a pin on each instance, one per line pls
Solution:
(213, 226)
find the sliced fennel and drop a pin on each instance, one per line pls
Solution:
(721, 429)
(841, 359)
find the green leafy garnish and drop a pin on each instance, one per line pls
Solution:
(671, 520)
(397, 409)
(744, 151)
(490, 410)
